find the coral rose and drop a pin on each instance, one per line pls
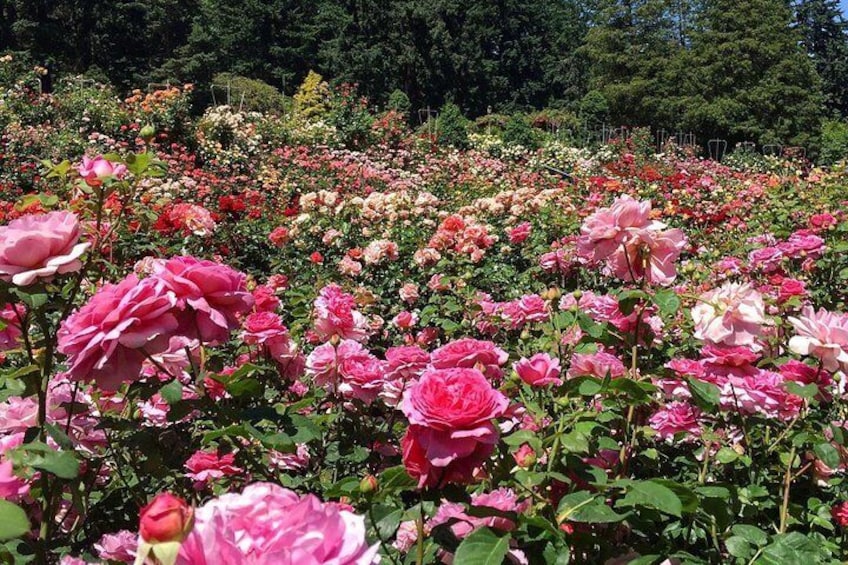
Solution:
(451, 432)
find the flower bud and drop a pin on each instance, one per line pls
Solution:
(167, 518)
(368, 484)
(147, 132)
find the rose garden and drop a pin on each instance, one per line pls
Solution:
(333, 338)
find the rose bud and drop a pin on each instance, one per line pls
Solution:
(166, 518)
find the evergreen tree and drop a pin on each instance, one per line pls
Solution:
(631, 48)
(751, 78)
(824, 33)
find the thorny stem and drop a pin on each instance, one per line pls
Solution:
(787, 482)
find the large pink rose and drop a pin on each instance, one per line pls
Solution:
(348, 369)
(823, 335)
(108, 339)
(733, 314)
(604, 231)
(215, 295)
(468, 353)
(269, 525)
(451, 432)
(40, 247)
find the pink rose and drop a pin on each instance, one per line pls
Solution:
(10, 334)
(823, 335)
(120, 546)
(451, 432)
(336, 315)
(519, 233)
(733, 314)
(212, 296)
(40, 247)
(207, 466)
(790, 288)
(269, 525)
(677, 418)
(409, 293)
(109, 338)
(98, 169)
(405, 320)
(768, 258)
(597, 365)
(469, 352)
(539, 370)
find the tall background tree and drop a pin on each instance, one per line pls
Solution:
(824, 33)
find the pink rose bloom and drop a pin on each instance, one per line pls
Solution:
(406, 362)
(533, 308)
(261, 327)
(12, 487)
(503, 499)
(100, 168)
(348, 369)
(207, 466)
(336, 315)
(269, 525)
(519, 233)
(108, 339)
(407, 535)
(648, 253)
(604, 231)
(265, 298)
(321, 366)
(120, 546)
(405, 320)
(598, 365)
(823, 335)
(803, 243)
(468, 353)
(539, 370)
(17, 414)
(10, 334)
(409, 293)
(361, 374)
(402, 365)
(212, 296)
(451, 432)
(802, 373)
(40, 247)
(768, 258)
(733, 314)
(296, 461)
(675, 418)
(790, 288)
(762, 393)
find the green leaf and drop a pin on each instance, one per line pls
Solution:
(482, 547)
(804, 391)
(751, 534)
(652, 494)
(667, 301)
(556, 555)
(828, 454)
(13, 521)
(738, 547)
(172, 392)
(63, 464)
(582, 506)
(706, 395)
(396, 479)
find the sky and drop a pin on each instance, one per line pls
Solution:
(844, 4)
